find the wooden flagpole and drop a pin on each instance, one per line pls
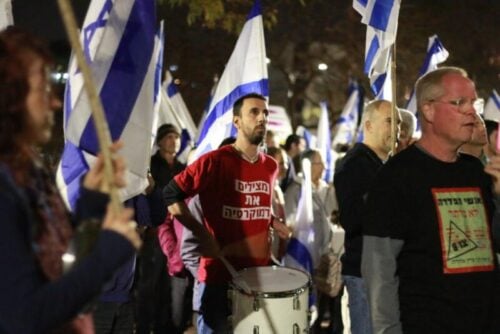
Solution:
(394, 114)
(102, 129)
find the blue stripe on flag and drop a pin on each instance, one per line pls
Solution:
(89, 31)
(348, 118)
(308, 138)
(73, 166)
(129, 67)
(378, 84)
(362, 3)
(185, 139)
(381, 13)
(67, 103)
(495, 99)
(300, 253)
(261, 86)
(255, 11)
(159, 65)
(372, 52)
(435, 48)
(171, 89)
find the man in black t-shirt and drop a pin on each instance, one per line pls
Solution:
(428, 252)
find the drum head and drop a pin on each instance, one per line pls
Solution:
(274, 279)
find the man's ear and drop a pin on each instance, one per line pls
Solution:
(427, 112)
(367, 126)
(236, 120)
(492, 138)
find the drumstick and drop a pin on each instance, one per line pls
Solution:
(237, 278)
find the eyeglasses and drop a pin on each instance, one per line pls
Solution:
(462, 104)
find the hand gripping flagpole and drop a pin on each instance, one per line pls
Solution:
(102, 129)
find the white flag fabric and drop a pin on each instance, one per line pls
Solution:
(179, 106)
(157, 83)
(279, 122)
(299, 252)
(245, 73)
(170, 113)
(381, 19)
(347, 124)
(324, 143)
(119, 41)
(436, 54)
(492, 107)
(6, 18)
(183, 121)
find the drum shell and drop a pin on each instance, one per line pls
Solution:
(271, 311)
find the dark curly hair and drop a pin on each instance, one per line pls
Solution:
(18, 50)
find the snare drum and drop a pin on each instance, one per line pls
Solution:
(278, 302)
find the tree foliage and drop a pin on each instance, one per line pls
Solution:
(227, 15)
(300, 34)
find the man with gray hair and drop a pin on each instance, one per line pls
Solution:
(353, 177)
(407, 129)
(428, 257)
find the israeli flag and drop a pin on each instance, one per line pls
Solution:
(299, 252)
(346, 126)
(6, 18)
(173, 110)
(179, 106)
(324, 143)
(118, 37)
(245, 73)
(381, 18)
(157, 83)
(169, 113)
(436, 54)
(492, 107)
(309, 138)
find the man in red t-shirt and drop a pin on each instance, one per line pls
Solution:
(234, 184)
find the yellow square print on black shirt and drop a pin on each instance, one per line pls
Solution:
(464, 230)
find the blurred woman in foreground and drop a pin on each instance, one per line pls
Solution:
(35, 227)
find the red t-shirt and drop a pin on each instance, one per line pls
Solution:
(235, 197)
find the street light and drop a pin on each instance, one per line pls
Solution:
(322, 66)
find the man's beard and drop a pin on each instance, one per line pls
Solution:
(256, 138)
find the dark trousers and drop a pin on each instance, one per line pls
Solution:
(329, 309)
(114, 318)
(181, 294)
(153, 288)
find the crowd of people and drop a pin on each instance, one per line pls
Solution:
(421, 223)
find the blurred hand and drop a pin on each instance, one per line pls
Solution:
(94, 180)
(284, 232)
(493, 169)
(151, 184)
(335, 217)
(123, 224)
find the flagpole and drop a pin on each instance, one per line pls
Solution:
(394, 114)
(102, 129)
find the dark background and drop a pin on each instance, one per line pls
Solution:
(326, 31)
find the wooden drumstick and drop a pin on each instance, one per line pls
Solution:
(237, 278)
(102, 129)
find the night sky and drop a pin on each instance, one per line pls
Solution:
(42, 17)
